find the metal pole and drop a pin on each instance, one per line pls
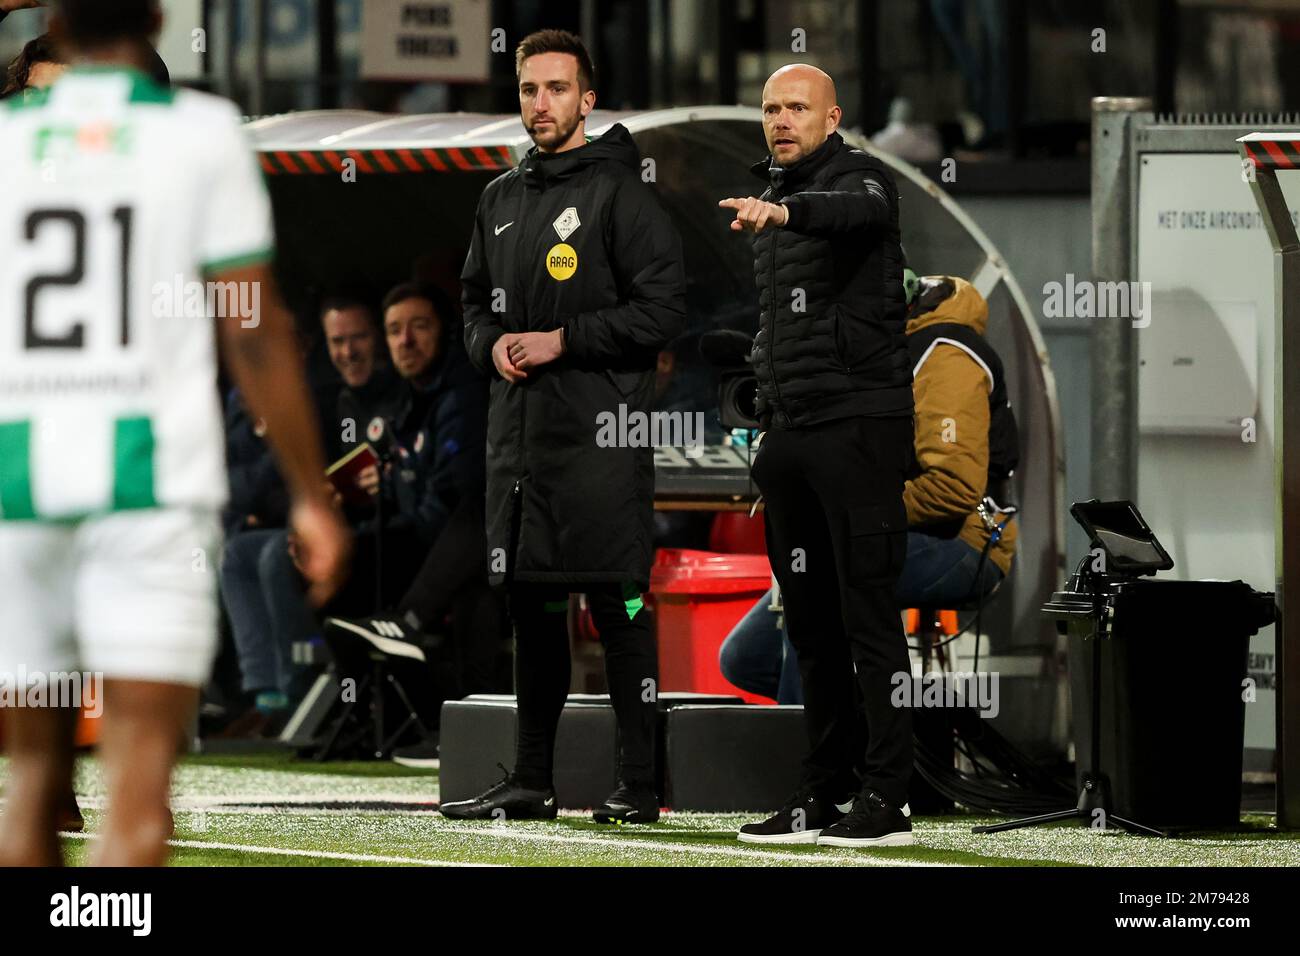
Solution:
(661, 54)
(257, 94)
(327, 56)
(589, 19)
(1286, 448)
(727, 54)
(1015, 81)
(230, 27)
(873, 110)
(1165, 54)
(1114, 345)
(205, 70)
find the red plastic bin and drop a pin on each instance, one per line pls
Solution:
(699, 596)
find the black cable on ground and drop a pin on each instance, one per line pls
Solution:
(1004, 779)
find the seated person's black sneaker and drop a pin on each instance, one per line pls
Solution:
(389, 633)
(799, 820)
(872, 822)
(629, 803)
(506, 800)
(421, 756)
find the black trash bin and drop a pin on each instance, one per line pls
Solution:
(1173, 706)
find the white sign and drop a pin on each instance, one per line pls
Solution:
(1208, 492)
(445, 40)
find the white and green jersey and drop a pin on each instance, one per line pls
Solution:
(119, 199)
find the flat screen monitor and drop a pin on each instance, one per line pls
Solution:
(1117, 527)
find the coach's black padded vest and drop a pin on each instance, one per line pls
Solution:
(831, 342)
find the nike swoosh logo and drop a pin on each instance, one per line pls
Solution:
(501, 229)
(549, 801)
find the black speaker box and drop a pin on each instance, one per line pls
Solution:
(749, 758)
(730, 758)
(479, 732)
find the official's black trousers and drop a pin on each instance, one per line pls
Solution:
(837, 537)
(542, 672)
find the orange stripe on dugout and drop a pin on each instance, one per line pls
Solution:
(457, 157)
(434, 159)
(289, 163)
(409, 161)
(384, 160)
(1276, 156)
(311, 162)
(362, 163)
(486, 160)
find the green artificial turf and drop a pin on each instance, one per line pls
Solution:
(273, 810)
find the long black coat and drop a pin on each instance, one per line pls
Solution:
(562, 509)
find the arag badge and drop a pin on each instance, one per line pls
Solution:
(562, 261)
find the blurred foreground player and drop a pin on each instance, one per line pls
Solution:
(573, 284)
(111, 466)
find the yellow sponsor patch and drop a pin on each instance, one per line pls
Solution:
(562, 261)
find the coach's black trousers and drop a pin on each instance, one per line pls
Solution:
(837, 537)
(542, 675)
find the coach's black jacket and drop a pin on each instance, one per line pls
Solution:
(831, 341)
(560, 509)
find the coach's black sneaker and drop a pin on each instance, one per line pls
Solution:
(506, 800)
(871, 822)
(800, 820)
(388, 633)
(630, 803)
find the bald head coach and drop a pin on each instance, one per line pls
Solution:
(835, 402)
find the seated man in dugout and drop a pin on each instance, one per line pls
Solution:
(437, 608)
(260, 587)
(961, 542)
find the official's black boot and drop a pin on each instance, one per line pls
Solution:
(506, 800)
(630, 803)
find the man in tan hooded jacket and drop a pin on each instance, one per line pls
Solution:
(951, 386)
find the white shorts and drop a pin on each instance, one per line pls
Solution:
(130, 595)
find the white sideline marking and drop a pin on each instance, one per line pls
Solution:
(504, 831)
(818, 859)
(244, 802)
(313, 854)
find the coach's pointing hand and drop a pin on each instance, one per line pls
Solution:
(755, 214)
